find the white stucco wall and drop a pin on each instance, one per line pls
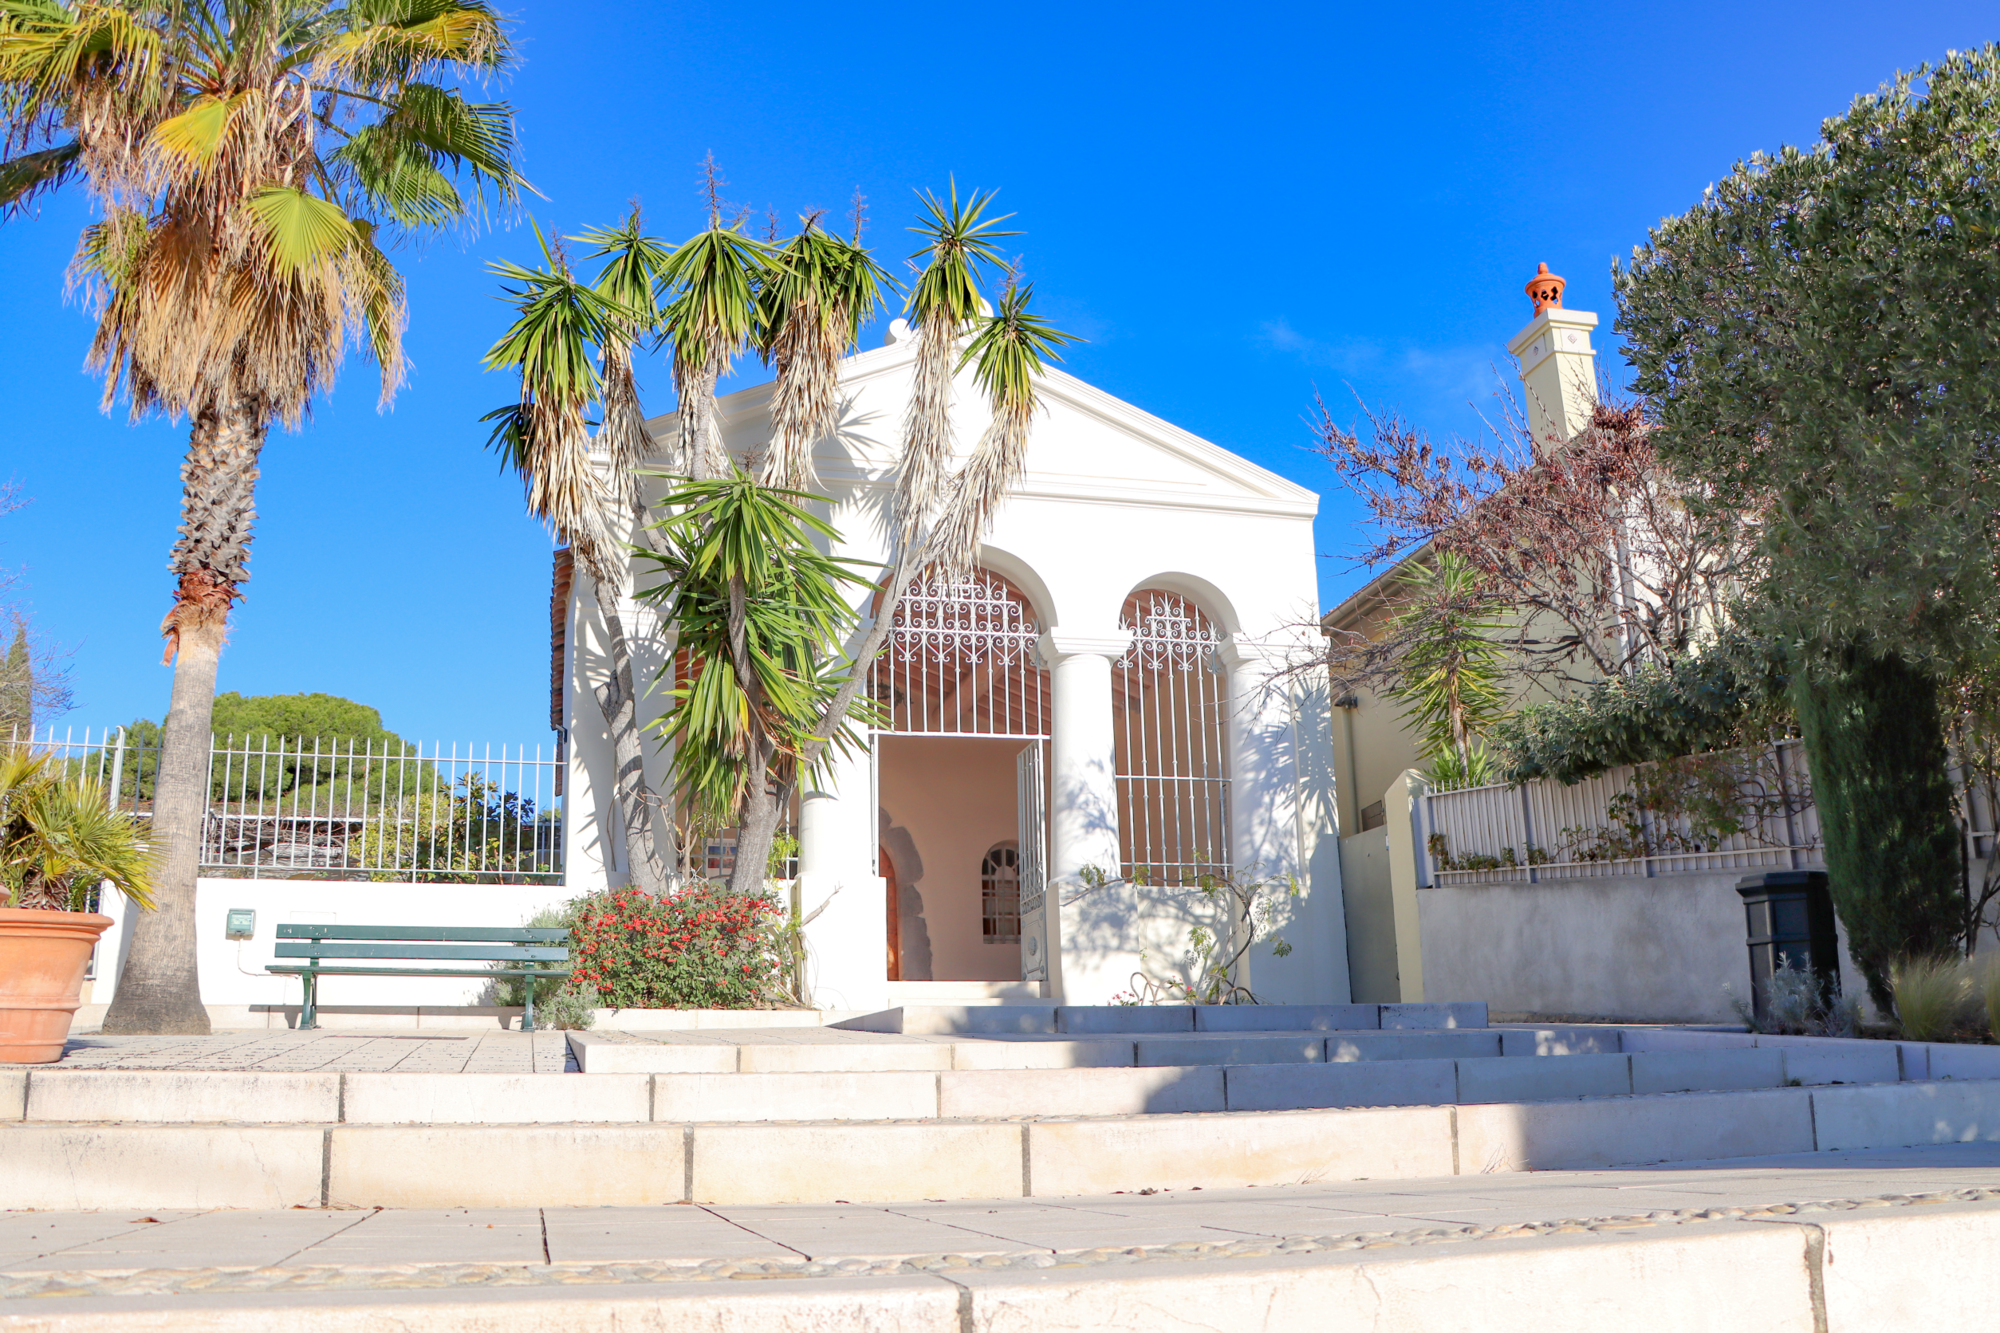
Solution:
(1656, 950)
(233, 971)
(1112, 500)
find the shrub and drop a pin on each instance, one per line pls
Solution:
(1932, 995)
(698, 947)
(1988, 974)
(560, 1002)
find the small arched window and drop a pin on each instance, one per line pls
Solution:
(1000, 893)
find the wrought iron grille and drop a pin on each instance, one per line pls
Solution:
(1172, 761)
(961, 661)
(282, 807)
(1000, 894)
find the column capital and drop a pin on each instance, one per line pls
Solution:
(1057, 644)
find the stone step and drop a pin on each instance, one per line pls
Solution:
(1276, 1261)
(328, 1097)
(75, 1164)
(805, 1050)
(1027, 1017)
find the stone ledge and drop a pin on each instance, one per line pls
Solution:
(1840, 1265)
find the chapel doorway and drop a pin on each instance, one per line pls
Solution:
(963, 692)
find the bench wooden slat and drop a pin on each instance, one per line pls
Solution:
(498, 953)
(536, 972)
(318, 942)
(519, 934)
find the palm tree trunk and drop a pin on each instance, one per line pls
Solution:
(159, 990)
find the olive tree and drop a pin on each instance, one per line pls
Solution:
(1816, 341)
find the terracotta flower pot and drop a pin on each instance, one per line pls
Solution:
(42, 957)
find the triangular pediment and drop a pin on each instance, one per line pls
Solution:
(1087, 444)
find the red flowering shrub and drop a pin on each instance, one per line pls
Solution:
(700, 947)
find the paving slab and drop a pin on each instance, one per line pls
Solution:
(445, 1235)
(678, 1234)
(226, 1239)
(1561, 1251)
(853, 1233)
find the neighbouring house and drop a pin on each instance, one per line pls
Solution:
(1546, 900)
(1076, 735)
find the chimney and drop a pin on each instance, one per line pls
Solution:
(1557, 363)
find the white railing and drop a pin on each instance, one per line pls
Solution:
(1603, 826)
(280, 807)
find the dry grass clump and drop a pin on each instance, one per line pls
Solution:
(1934, 996)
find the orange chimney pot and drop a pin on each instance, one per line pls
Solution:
(1545, 289)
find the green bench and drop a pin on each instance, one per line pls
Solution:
(385, 951)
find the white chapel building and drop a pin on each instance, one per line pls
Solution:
(1075, 736)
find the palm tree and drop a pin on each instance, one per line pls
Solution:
(564, 327)
(60, 838)
(244, 155)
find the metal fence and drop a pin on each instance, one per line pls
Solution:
(282, 807)
(1750, 810)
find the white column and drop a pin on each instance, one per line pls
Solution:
(1092, 948)
(1276, 836)
(847, 945)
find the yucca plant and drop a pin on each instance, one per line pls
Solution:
(1932, 994)
(1008, 354)
(60, 838)
(564, 329)
(1451, 673)
(243, 157)
(816, 293)
(759, 612)
(711, 319)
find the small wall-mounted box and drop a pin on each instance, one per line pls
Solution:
(242, 923)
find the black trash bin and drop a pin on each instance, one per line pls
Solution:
(1790, 917)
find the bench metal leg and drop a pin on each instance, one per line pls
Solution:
(309, 1014)
(528, 1009)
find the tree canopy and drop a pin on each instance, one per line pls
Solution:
(1817, 341)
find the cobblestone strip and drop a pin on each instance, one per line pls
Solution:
(400, 1277)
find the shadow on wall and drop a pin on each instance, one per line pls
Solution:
(901, 849)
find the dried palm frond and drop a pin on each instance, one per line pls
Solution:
(945, 297)
(631, 284)
(1008, 354)
(815, 297)
(712, 315)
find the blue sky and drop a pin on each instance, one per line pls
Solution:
(1233, 205)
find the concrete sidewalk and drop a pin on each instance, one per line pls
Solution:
(47, 1257)
(302, 1052)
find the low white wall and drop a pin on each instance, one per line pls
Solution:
(232, 971)
(1657, 950)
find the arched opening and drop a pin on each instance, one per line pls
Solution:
(1169, 696)
(962, 693)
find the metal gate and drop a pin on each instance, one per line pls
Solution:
(1031, 801)
(1172, 762)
